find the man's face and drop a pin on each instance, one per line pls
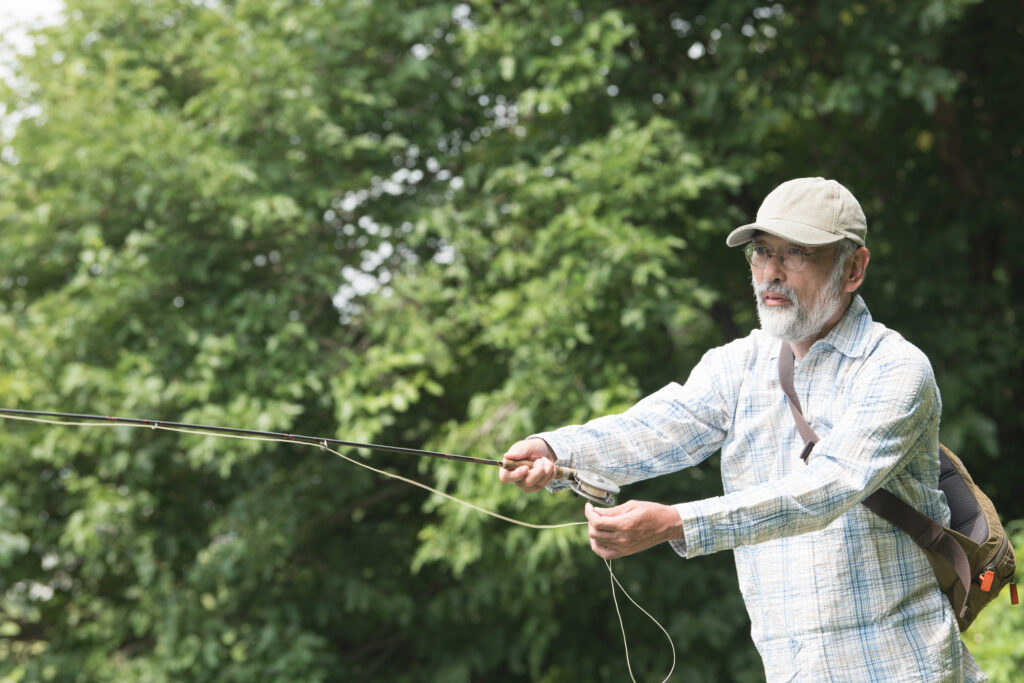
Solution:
(797, 305)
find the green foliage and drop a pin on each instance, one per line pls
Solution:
(447, 226)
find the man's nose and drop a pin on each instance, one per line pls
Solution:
(773, 269)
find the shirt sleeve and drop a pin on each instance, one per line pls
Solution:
(675, 427)
(893, 415)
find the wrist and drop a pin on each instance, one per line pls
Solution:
(673, 524)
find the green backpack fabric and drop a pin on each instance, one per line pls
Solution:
(972, 557)
(975, 527)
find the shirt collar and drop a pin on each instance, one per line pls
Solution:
(848, 336)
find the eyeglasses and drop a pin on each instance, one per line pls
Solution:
(791, 259)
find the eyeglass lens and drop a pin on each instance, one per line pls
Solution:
(791, 258)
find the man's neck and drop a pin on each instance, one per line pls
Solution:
(800, 348)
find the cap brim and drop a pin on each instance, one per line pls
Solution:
(797, 233)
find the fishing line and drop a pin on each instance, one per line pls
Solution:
(246, 435)
(614, 580)
(322, 443)
(589, 485)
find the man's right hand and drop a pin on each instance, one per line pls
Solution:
(538, 465)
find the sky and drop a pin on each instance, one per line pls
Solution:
(13, 13)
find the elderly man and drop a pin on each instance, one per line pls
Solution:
(834, 592)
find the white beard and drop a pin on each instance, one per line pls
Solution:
(795, 322)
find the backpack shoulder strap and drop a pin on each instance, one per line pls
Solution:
(928, 534)
(925, 531)
(786, 380)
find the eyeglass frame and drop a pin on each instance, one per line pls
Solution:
(748, 253)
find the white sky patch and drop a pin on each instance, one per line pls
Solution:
(21, 11)
(445, 255)
(421, 51)
(40, 592)
(17, 17)
(460, 16)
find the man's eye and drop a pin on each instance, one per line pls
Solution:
(795, 253)
(761, 251)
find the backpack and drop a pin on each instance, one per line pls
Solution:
(972, 557)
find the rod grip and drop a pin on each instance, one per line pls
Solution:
(560, 472)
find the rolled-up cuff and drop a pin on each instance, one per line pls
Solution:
(698, 534)
(679, 545)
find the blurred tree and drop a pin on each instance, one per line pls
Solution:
(446, 225)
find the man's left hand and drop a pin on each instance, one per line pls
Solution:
(631, 527)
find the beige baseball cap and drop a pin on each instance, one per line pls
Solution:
(809, 212)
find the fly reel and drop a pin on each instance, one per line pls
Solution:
(593, 487)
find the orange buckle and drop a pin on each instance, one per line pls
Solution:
(986, 579)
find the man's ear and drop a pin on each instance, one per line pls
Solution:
(853, 271)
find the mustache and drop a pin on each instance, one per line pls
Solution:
(777, 288)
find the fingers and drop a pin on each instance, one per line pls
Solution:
(529, 449)
(513, 476)
(606, 537)
(607, 519)
(602, 526)
(631, 527)
(524, 476)
(603, 552)
(537, 476)
(537, 468)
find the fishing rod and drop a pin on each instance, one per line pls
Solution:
(589, 485)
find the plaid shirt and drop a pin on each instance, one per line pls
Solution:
(834, 592)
